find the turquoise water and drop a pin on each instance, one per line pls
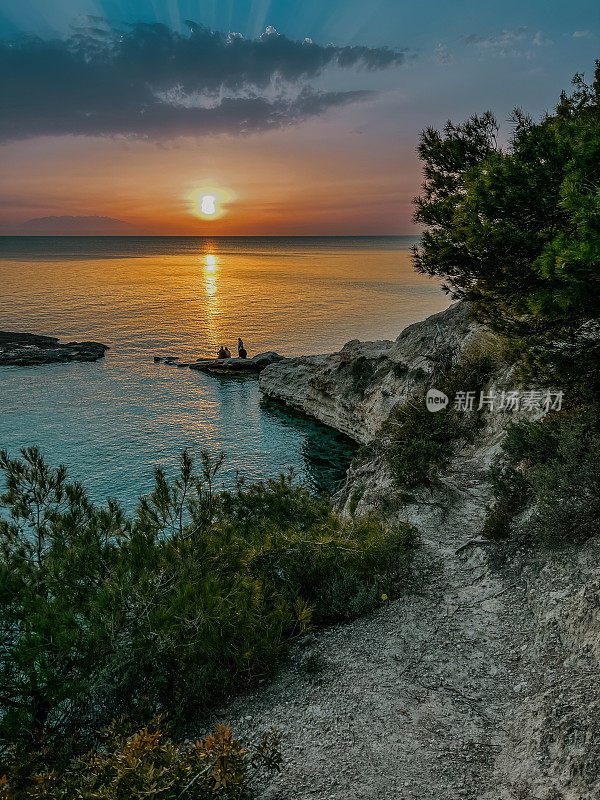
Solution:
(111, 421)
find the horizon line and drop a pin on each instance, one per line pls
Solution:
(204, 235)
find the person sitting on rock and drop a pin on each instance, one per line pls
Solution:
(227, 353)
(241, 349)
(223, 352)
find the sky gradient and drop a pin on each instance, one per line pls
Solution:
(298, 117)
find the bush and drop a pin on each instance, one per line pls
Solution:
(418, 443)
(147, 764)
(195, 597)
(361, 372)
(340, 573)
(553, 467)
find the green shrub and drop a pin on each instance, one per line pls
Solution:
(195, 597)
(312, 663)
(355, 498)
(399, 369)
(498, 522)
(418, 443)
(553, 467)
(339, 570)
(361, 371)
(419, 375)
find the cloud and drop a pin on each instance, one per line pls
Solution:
(514, 42)
(442, 55)
(583, 35)
(539, 40)
(150, 81)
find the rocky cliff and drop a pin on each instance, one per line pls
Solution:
(482, 682)
(355, 390)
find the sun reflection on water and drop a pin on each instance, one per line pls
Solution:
(213, 305)
(210, 269)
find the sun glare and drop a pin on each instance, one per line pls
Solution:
(209, 201)
(208, 205)
(210, 262)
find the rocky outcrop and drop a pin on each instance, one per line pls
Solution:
(356, 389)
(482, 682)
(28, 349)
(237, 366)
(225, 366)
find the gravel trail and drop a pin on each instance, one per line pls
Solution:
(409, 701)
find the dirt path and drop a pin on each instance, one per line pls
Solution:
(482, 683)
(409, 701)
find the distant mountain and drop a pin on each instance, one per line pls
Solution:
(72, 226)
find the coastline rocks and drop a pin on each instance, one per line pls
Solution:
(237, 366)
(496, 643)
(356, 389)
(28, 349)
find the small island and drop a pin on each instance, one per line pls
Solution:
(29, 349)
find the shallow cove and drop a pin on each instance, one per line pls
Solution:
(112, 420)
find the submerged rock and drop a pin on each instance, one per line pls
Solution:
(28, 349)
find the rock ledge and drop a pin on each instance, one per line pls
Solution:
(237, 366)
(356, 389)
(28, 349)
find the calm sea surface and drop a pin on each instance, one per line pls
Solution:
(111, 421)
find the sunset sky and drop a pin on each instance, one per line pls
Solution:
(296, 117)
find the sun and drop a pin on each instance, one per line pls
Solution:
(208, 205)
(209, 201)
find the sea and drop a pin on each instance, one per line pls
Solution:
(110, 422)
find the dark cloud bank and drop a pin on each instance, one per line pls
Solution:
(153, 82)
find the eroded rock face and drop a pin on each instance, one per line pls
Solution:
(356, 389)
(28, 349)
(539, 644)
(482, 682)
(553, 735)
